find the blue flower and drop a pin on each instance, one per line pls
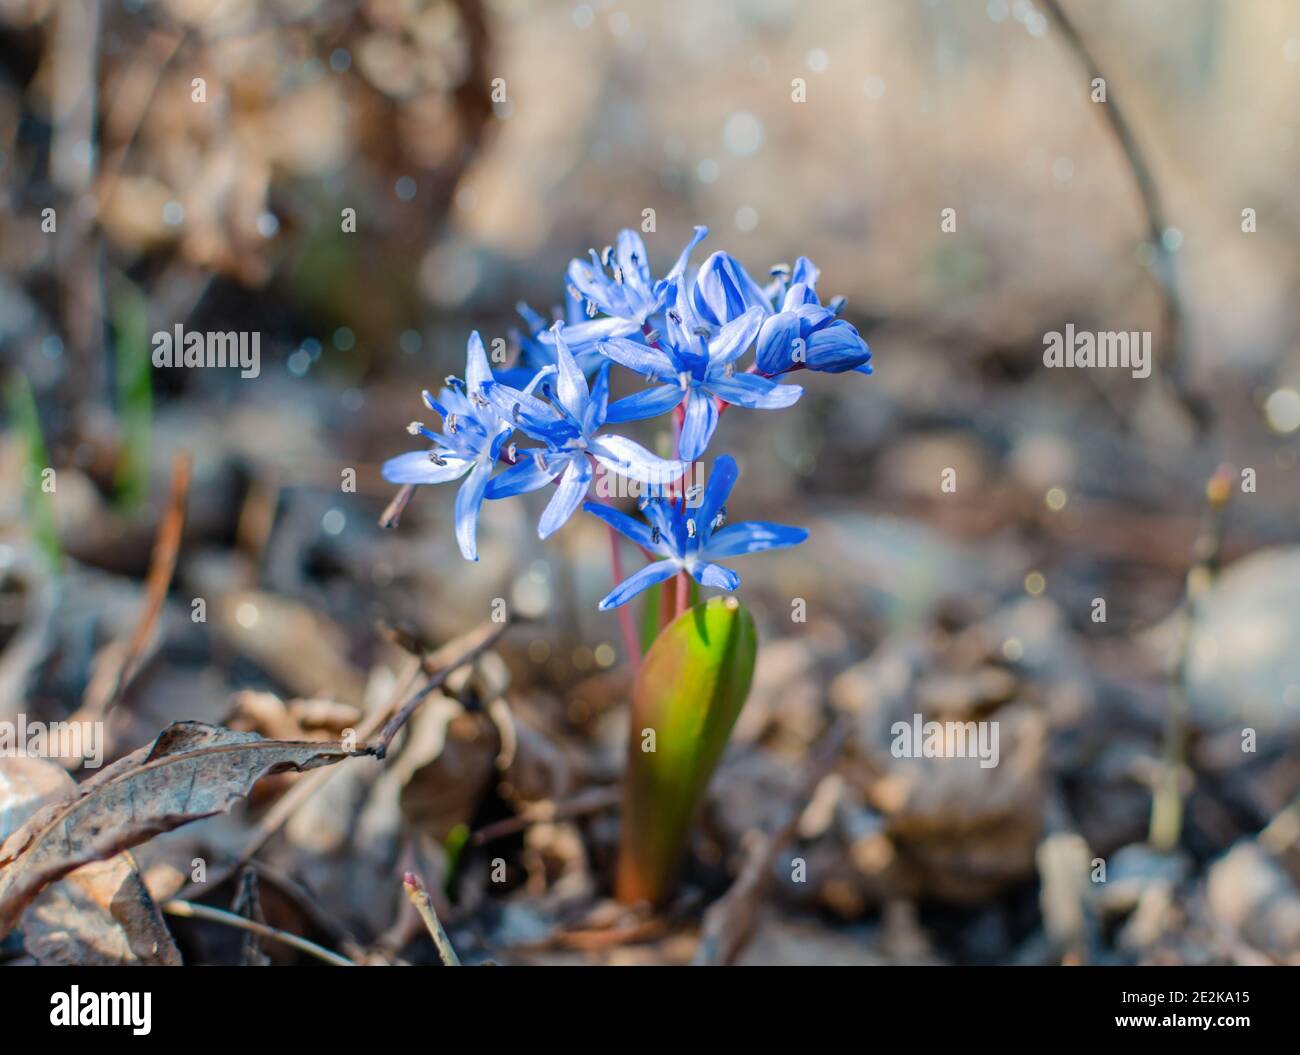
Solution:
(470, 442)
(696, 365)
(568, 426)
(692, 540)
(724, 291)
(580, 332)
(618, 282)
(806, 335)
(801, 334)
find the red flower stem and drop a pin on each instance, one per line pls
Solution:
(667, 604)
(624, 613)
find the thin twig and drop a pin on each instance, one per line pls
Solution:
(437, 666)
(190, 910)
(729, 921)
(393, 511)
(162, 567)
(480, 640)
(1166, 273)
(1167, 801)
(415, 890)
(306, 903)
(593, 800)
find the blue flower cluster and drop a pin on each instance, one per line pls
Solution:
(685, 336)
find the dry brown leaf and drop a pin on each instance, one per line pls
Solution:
(192, 770)
(100, 914)
(445, 767)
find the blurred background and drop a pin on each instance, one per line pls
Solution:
(200, 159)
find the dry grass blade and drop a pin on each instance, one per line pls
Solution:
(189, 910)
(103, 693)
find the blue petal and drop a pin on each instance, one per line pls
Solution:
(571, 384)
(433, 404)
(750, 390)
(805, 272)
(469, 499)
(641, 580)
(647, 361)
(683, 259)
(776, 344)
(715, 575)
(526, 412)
(648, 404)
(734, 339)
(631, 255)
(664, 514)
(722, 479)
(837, 348)
(801, 297)
(753, 536)
(524, 476)
(698, 425)
(541, 375)
(514, 376)
(635, 462)
(598, 405)
(415, 467)
(476, 365)
(536, 324)
(575, 307)
(568, 496)
(636, 530)
(582, 333)
(724, 290)
(591, 283)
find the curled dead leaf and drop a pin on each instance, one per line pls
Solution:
(192, 770)
(101, 913)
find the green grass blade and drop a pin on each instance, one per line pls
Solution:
(134, 397)
(27, 424)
